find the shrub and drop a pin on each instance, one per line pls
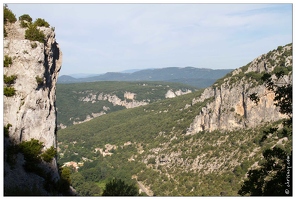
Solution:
(34, 34)
(41, 22)
(284, 70)
(117, 187)
(151, 161)
(287, 53)
(24, 24)
(269, 54)
(9, 91)
(6, 130)
(31, 149)
(280, 48)
(7, 61)
(25, 17)
(271, 61)
(49, 154)
(34, 45)
(254, 75)
(4, 32)
(39, 80)
(8, 16)
(25, 20)
(9, 80)
(65, 180)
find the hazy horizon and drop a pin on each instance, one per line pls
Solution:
(101, 37)
(82, 75)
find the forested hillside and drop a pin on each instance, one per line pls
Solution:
(80, 102)
(198, 144)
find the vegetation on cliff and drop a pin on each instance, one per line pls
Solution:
(9, 16)
(274, 177)
(30, 166)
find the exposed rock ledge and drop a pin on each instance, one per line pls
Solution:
(128, 102)
(172, 94)
(232, 109)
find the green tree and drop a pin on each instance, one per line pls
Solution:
(34, 34)
(8, 15)
(25, 20)
(77, 179)
(4, 32)
(39, 80)
(26, 17)
(273, 177)
(49, 154)
(6, 130)
(65, 179)
(91, 174)
(7, 61)
(9, 80)
(66, 173)
(41, 22)
(88, 189)
(117, 187)
(9, 91)
(31, 149)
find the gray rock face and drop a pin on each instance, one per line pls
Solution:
(31, 111)
(232, 108)
(115, 100)
(172, 94)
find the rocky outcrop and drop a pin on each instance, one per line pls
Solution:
(128, 102)
(231, 107)
(172, 94)
(88, 118)
(106, 150)
(31, 111)
(129, 95)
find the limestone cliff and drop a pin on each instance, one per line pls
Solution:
(231, 107)
(31, 111)
(128, 102)
(172, 94)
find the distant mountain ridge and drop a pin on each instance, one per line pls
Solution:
(197, 77)
(82, 75)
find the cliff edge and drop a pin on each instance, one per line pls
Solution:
(231, 107)
(30, 74)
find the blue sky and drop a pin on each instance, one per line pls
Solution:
(98, 38)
